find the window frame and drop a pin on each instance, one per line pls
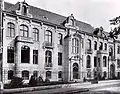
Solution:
(60, 42)
(25, 75)
(75, 45)
(10, 54)
(10, 29)
(48, 36)
(24, 30)
(104, 61)
(35, 56)
(48, 58)
(10, 74)
(25, 50)
(50, 74)
(59, 58)
(35, 34)
(88, 61)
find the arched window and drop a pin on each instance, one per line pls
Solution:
(48, 59)
(88, 44)
(10, 54)
(101, 46)
(25, 54)
(95, 45)
(88, 63)
(60, 39)
(105, 46)
(24, 9)
(24, 30)
(10, 74)
(48, 36)
(75, 45)
(48, 74)
(25, 75)
(110, 51)
(11, 29)
(104, 61)
(35, 34)
(60, 74)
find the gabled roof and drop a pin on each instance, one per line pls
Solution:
(48, 16)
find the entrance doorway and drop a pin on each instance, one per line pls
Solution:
(112, 71)
(75, 71)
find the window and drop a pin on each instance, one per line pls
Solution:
(35, 34)
(118, 49)
(35, 56)
(25, 54)
(35, 73)
(105, 46)
(60, 74)
(59, 58)
(101, 46)
(48, 36)
(25, 75)
(10, 74)
(23, 30)
(75, 45)
(10, 54)
(89, 73)
(88, 44)
(60, 39)
(104, 61)
(88, 65)
(118, 63)
(95, 61)
(95, 45)
(48, 75)
(110, 51)
(11, 29)
(48, 58)
(98, 62)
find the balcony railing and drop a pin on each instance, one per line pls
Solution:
(89, 51)
(48, 66)
(102, 52)
(48, 45)
(24, 39)
(112, 58)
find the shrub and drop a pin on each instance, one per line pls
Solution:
(16, 82)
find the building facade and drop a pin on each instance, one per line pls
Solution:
(41, 43)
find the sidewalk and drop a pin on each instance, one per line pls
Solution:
(55, 89)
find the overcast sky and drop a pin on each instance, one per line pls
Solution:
(95, 12)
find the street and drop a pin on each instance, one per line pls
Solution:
(103, 87)
(115, 89)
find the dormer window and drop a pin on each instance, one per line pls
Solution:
(24, 9)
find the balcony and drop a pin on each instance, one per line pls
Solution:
(48, 66)
(23, 39)
(48, 45)
(102, 52)
(111, 58)
(89, 51)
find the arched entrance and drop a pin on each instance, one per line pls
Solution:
(112, 71)
(75, 71)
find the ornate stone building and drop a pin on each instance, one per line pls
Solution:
(39, 42)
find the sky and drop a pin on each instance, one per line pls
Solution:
(94, 12)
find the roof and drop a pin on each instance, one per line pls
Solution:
(48, 16)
